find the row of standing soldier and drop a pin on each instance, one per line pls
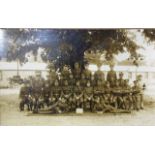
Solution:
(66, 91)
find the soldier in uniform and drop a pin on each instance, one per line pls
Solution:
(36, 96)
(66, 104)
(41, 102)
(55, 99)
(121, 80)
(77, 71)
(55, 91)
(111, 98)
(47, 92)
(61, 79)
(78, 95)
(88, 97)
(93, 81)
(141, 87)
(52, 75)
(111, 76)
(98, 96)
(38, 86)
(108, 94)
(112, 82)
(87, 73)
(24, 96)
(31, 79)
(106, 101)
(30, 103)
(99, 75)
(83, 80)
(71, 80)
(71, 83)
(117, 99)
(127, 95)
(65, 72)
(136, 95)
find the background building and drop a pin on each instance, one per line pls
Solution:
(9, 69)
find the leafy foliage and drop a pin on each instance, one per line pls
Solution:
(67, 46)
(149, 34)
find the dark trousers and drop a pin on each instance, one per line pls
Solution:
(36, 107)
(23, 103)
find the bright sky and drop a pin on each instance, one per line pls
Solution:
(149, 48)
(1, 41)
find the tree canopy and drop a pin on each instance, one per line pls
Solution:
(67, 46)
(149, 34)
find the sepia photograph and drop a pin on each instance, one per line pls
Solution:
(77, 77)
(82, 77)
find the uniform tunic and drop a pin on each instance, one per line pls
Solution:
(111, 78)
(77, 73)
(78, 96)
(99, 75)
(87, 74)
(121, 82)
(56, 92)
